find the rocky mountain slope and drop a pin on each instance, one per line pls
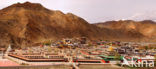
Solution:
(29, 23)
(131, 30)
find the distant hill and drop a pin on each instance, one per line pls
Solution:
(29, 23)
(131, 30)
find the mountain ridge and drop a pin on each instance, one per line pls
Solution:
(37, 25)
(146, 28)
(24, 24)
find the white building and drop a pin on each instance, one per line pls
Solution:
(1, 54)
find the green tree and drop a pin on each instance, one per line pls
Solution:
(117, 56)
(146, 48)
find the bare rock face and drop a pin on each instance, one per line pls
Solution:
(29, 23)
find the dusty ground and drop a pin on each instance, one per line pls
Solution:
(108, 66)
(38, 67)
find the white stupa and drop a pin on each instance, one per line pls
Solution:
(8, 49)
(1, 54)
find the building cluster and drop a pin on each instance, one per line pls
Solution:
(81, 50)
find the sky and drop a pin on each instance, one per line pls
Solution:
(95, 11)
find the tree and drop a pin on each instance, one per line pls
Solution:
(117, 56)
(146, 47)
(89, 45)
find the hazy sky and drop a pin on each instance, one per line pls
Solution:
(99, 10)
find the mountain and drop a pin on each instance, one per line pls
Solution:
(131, 30)
(25, 24)
(29, 23)
(150, 15)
